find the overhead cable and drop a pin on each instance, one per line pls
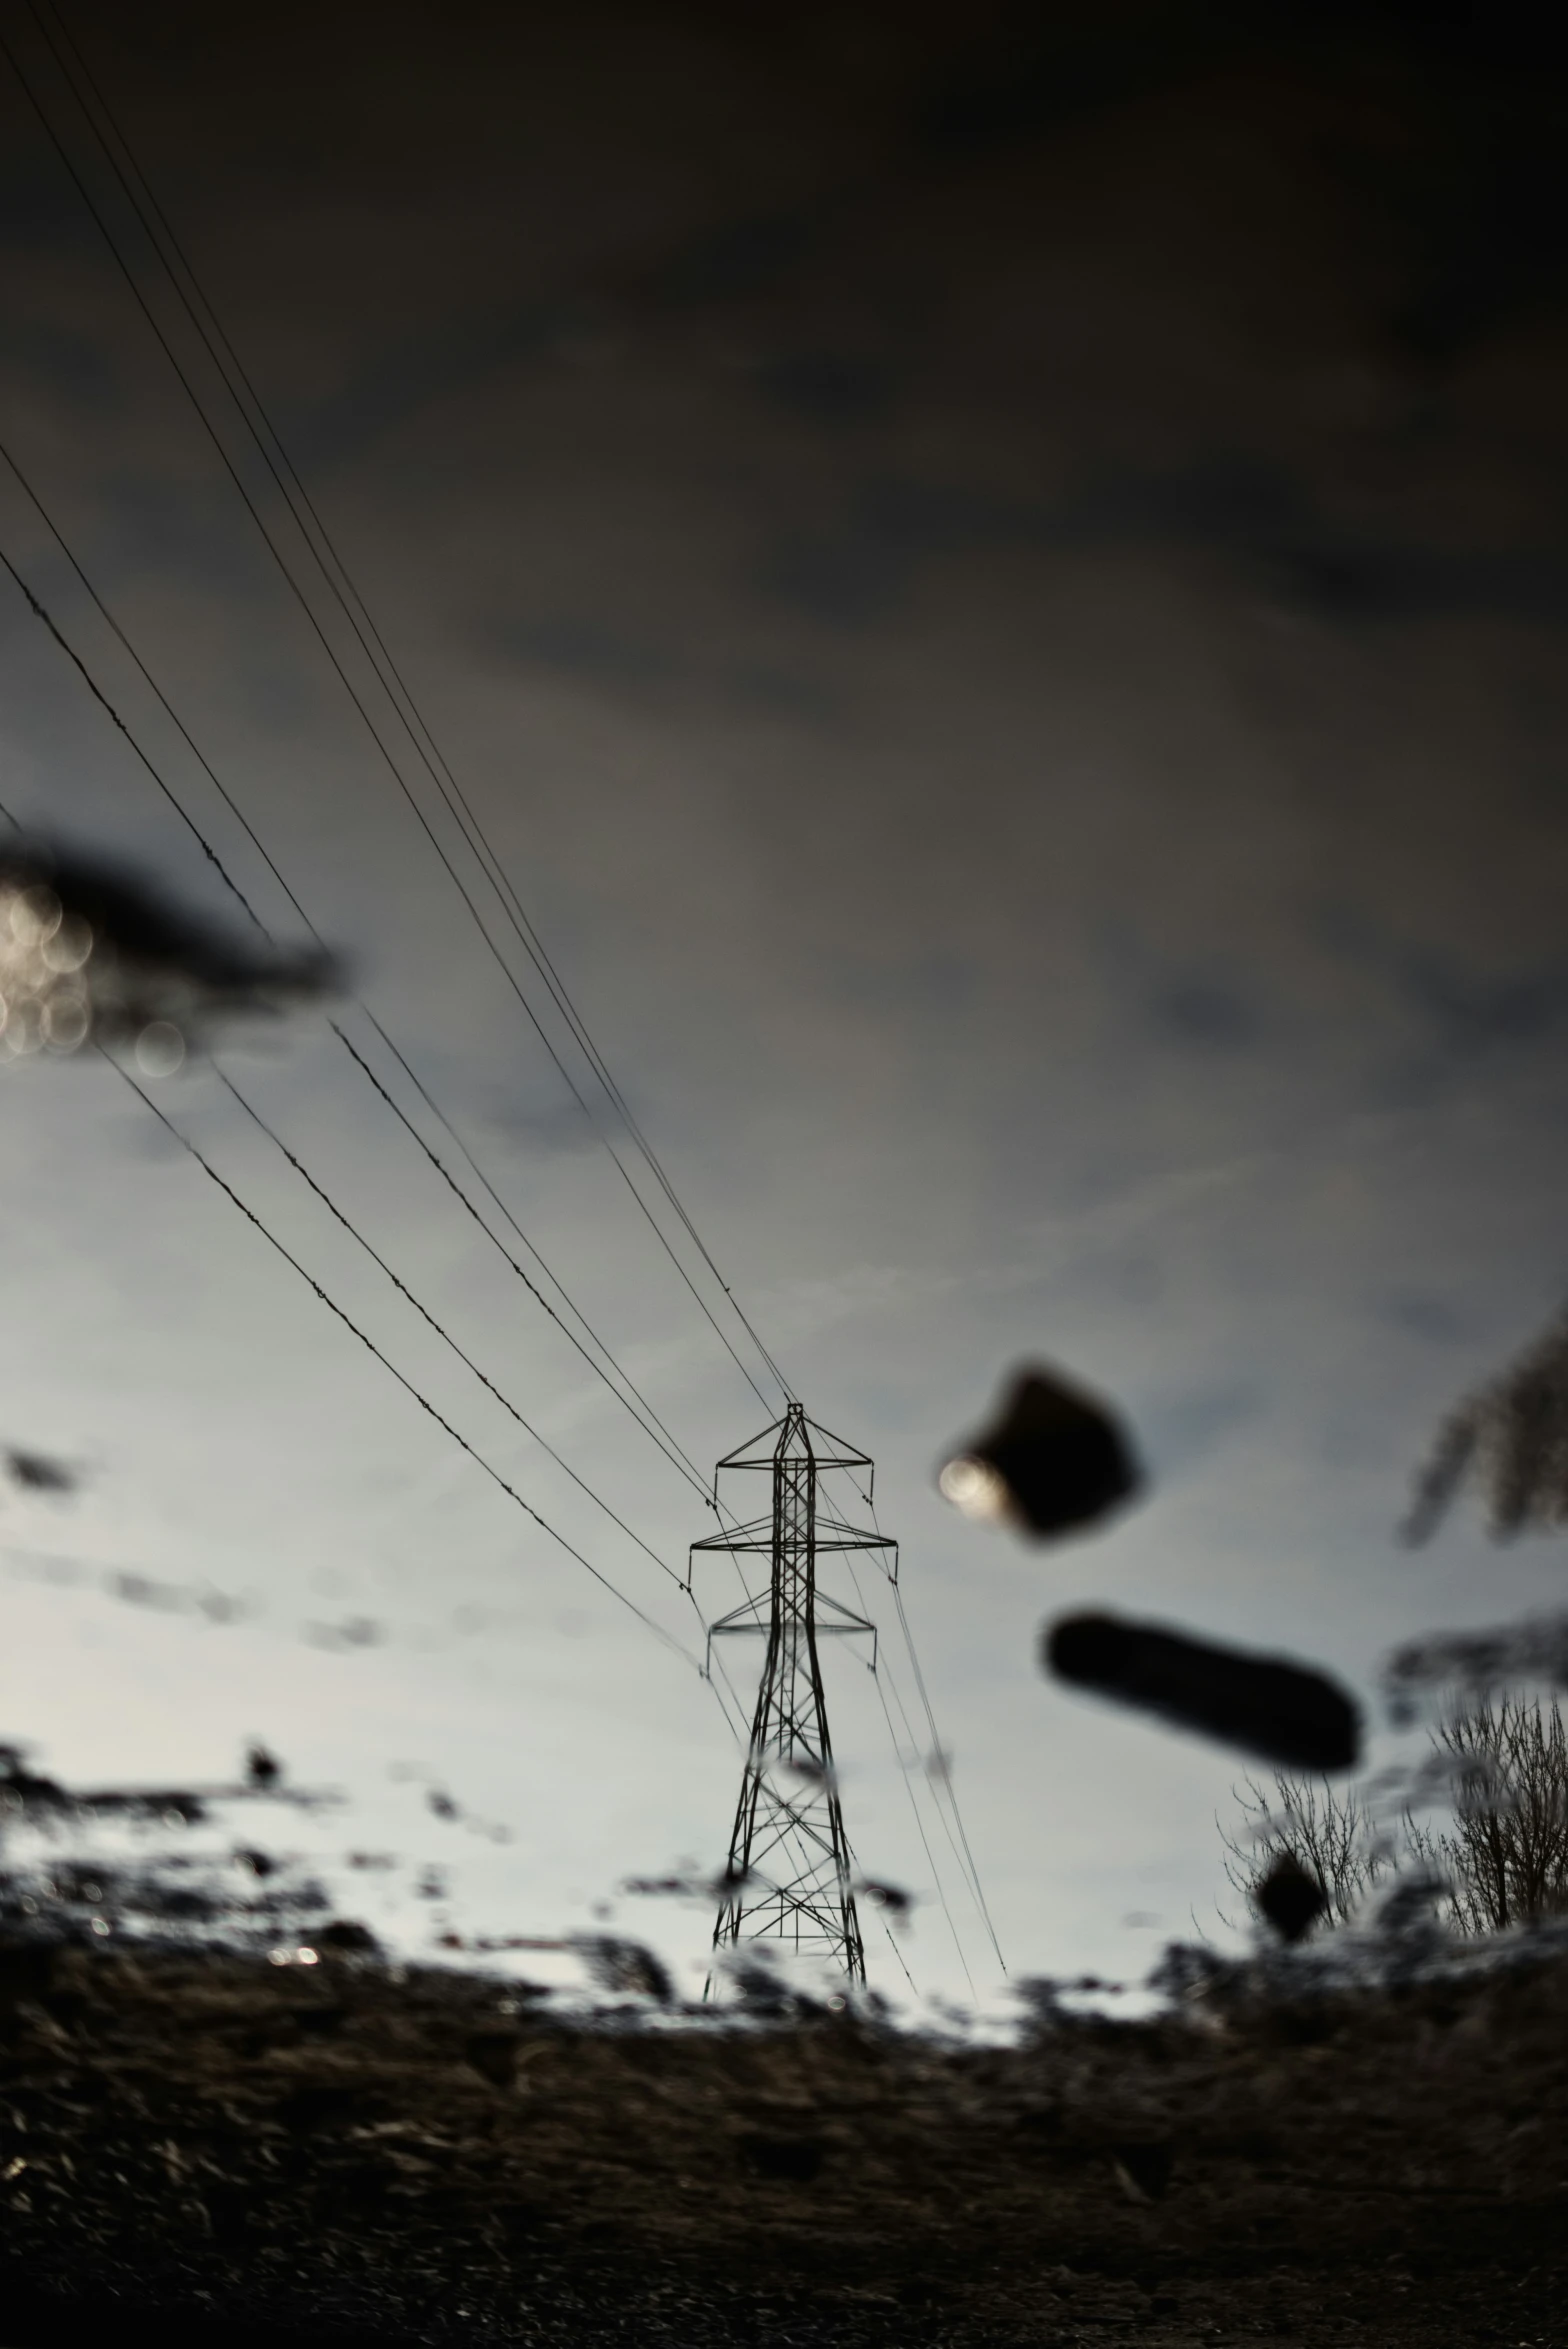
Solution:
(186, 1144)
(344, 1220)
(330, 1204)
(958, 1820)
(416, 728)
(874, 1668)
(634, 1401)
(964, 1856)
(43, 615)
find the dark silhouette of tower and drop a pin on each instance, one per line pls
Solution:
(790, 1876)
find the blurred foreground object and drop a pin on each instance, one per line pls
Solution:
(1476, 1661)
(1291, 1899)
(1266, 1705)
(1054, 1461)
(36, 1472)
(89, 954)
(1513, 1435)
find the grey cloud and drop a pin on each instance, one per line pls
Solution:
(830, 387)
(919, 987)
(1206, 1004)
(1263, 517)
(38, 205)
(843, 579)
(1475, 194)
(182, 530)
(1472, 1012)
(450, 355)
(73, 366)
(741, 256)
(597, 653)
(1030, 80)
(1182, 1430)
(781, 692)
(455, 354)
(1215, 1014)
(556, 1132)
(1462, 1009)
(545, 1124)
(1357, 581)
(1427, 1316)
(577, 646)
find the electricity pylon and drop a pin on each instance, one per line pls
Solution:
(789, 1877)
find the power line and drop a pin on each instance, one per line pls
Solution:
(41, 612)
(480, 848)
(256, 1118)
(668, 1445)
(920, 1828)
(965, 1857)
(471, 830)
(672, 1449)
(640, 1409)
(408, 1386)
(898, 1953)
(967, 1866)
(334, 1210)
(874, 1668)
(958, 1820)
(737, 1727)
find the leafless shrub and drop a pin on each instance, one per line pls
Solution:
(1501, 1861)
(1332, 1837)
(1505, 1857)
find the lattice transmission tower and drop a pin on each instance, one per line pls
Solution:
(790, 1874)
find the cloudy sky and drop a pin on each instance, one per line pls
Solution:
(997, 584)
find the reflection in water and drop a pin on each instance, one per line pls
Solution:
(1042, 691)
(1512, 1439)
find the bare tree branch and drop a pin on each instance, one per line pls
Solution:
(1502, 1858)
(1505, 1858)
(1513, 1435)
(1330, 1834)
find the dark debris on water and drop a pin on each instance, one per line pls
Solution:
(39, 1472)
(1269, 1706)
(1290, 1898)
(1055, 1459)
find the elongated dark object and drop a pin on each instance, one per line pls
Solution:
(1266, 1705)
